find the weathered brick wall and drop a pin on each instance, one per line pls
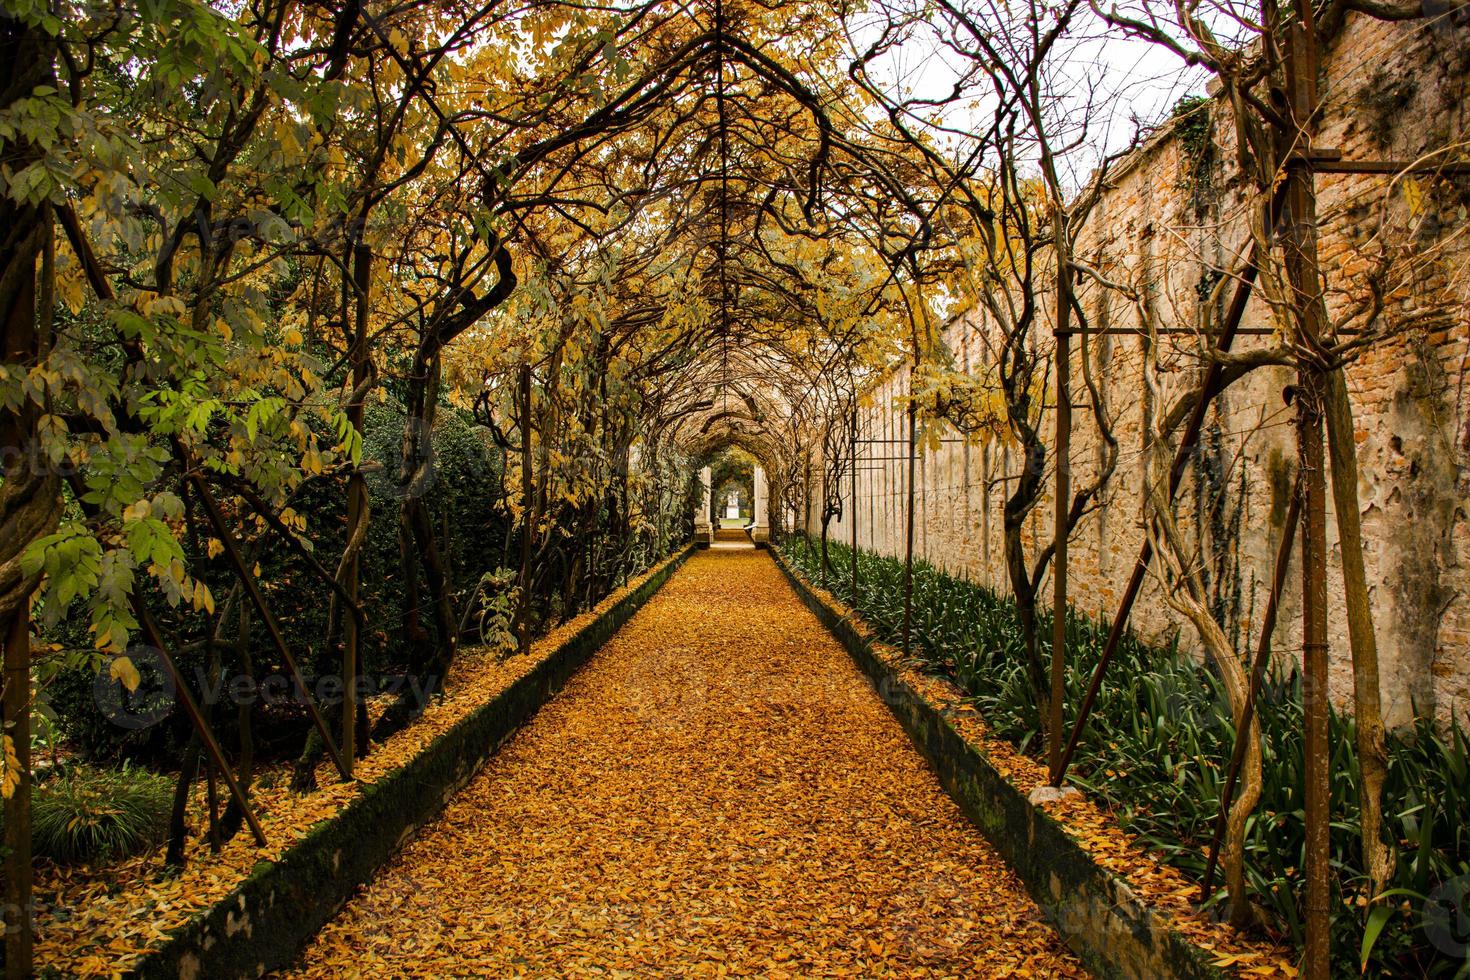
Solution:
(1390, 91)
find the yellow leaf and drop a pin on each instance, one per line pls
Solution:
(122, 669)
(1414, 196)
(11, 777)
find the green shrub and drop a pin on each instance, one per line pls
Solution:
(69, 697)
(472, 539)
(461, 499)
(92, 816)
(1157, 746)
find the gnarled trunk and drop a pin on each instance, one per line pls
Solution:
(1367, 698)
(30, 500)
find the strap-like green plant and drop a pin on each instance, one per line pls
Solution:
(89, 816)
(1156, 748)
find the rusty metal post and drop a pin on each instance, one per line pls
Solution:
(1063, 494)
(852, 558)
(357, 506)
(523, 607)
(1210, 387)
(1258, 671)
(1315, 744)
(908, 558)
(1305, 276)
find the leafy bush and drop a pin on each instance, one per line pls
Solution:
(90, 816)
(494, 613)
(70, 698)
(1157, 746)
(472, 539)
(472, 533)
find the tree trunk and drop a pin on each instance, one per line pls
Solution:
(437, 578)
(234, 817)
(411, 630)
(1017, 508)
(30, 502)
(1025, 597)
(178, 827)
(1367, 697)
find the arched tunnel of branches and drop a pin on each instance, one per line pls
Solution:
(357, 351)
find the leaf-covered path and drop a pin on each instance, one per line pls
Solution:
(718, 792)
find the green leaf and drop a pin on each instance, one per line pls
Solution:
(1377, 919)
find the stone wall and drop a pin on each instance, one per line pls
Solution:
(1390, 91)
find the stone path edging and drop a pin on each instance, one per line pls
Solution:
(263, 922)
(1104, 921)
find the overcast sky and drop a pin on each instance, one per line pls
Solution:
(1129, 82)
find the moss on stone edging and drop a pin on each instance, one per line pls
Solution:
(1105, 923)
(266, 920)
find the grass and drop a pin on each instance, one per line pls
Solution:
(95, 816)
(1156, 748)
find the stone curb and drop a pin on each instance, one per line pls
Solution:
(1101, 918)
(264, 923)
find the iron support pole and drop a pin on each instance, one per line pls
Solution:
(1211, 386)
(1305, 277)
(1063, 493)
(357, 505)
(852, 558)
(523, 627)
(1315, 744)
(908, 558)
(1258, 670)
